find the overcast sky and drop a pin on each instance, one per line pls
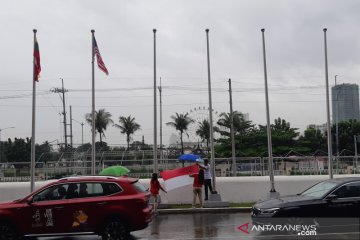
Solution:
(294, 47)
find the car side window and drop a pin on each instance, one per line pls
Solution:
(348, 190)
(96, 189)
(56, 192)
(83, 191)
(72, 191)
(111, 188)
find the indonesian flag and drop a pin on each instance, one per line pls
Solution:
(37, 66)
(179, 177)
(100, 62)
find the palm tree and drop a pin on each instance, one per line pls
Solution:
(127, 126)
(240, 124)
(181, 123)
(102, 120)
(203, 131)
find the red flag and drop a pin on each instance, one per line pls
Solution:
(37, 66)
(100, 62)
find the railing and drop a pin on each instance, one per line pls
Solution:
(143, 168)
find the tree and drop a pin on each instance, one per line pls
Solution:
(282, 135)
(181, 123)
(203, 131)
(240, 124)
(347, 130)
(102, 120)
(311, 141)
(127, 126)
(242, 128)
(18, 150)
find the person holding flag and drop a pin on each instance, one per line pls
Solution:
(208, 178)
(197, 187)
(155, 187)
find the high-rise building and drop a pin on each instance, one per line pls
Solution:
(345, 102)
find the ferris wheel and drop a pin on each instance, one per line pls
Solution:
(198, 114)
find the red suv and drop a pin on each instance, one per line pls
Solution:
(107, 206)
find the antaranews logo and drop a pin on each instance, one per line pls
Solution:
(298, 229)
(244, 228)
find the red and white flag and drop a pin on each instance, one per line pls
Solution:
(100, 62)
(179, 177)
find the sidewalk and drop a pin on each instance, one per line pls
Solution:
(164, 210)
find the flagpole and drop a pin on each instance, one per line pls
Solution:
(330, 167)
(93, 107)
(232, 130)
(212, 162)
(32, 168)
(271, 170)
(155, 112)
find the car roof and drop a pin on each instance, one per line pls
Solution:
(344, 179)
(97, 178)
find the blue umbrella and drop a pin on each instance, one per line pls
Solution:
(190, 157)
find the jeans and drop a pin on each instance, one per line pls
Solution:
(207, 184)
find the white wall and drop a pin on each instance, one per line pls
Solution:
(232, 189)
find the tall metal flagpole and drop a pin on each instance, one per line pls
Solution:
(32, 171)
(330, 163)
(160, 96)
(210, 114)
(271, 171)
(232, 133)
(336, 119)
(93, 106)
(155, 122)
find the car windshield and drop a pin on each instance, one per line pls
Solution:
(319, 190)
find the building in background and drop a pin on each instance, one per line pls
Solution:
(345, 102)
(321, 127)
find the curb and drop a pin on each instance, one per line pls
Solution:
(204, 210)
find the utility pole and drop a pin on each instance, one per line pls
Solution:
(82, 130)
(62, 90)
(71, 132)
(232, 133)
(161, 150)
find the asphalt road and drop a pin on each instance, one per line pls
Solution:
(210, 226)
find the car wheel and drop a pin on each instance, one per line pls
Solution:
(115, 230)
(8, 232)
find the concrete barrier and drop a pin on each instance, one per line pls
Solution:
(232, 189)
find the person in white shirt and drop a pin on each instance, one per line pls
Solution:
(207, 178)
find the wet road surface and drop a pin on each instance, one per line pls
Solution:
(207, 226)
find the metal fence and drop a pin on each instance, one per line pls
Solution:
(141, 165)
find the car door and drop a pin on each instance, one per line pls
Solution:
(94, 203)
(44, 212)
(75, 211)
(87, 207)
(345, 201)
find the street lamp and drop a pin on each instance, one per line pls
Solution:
(1, 129)
(82, 131)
